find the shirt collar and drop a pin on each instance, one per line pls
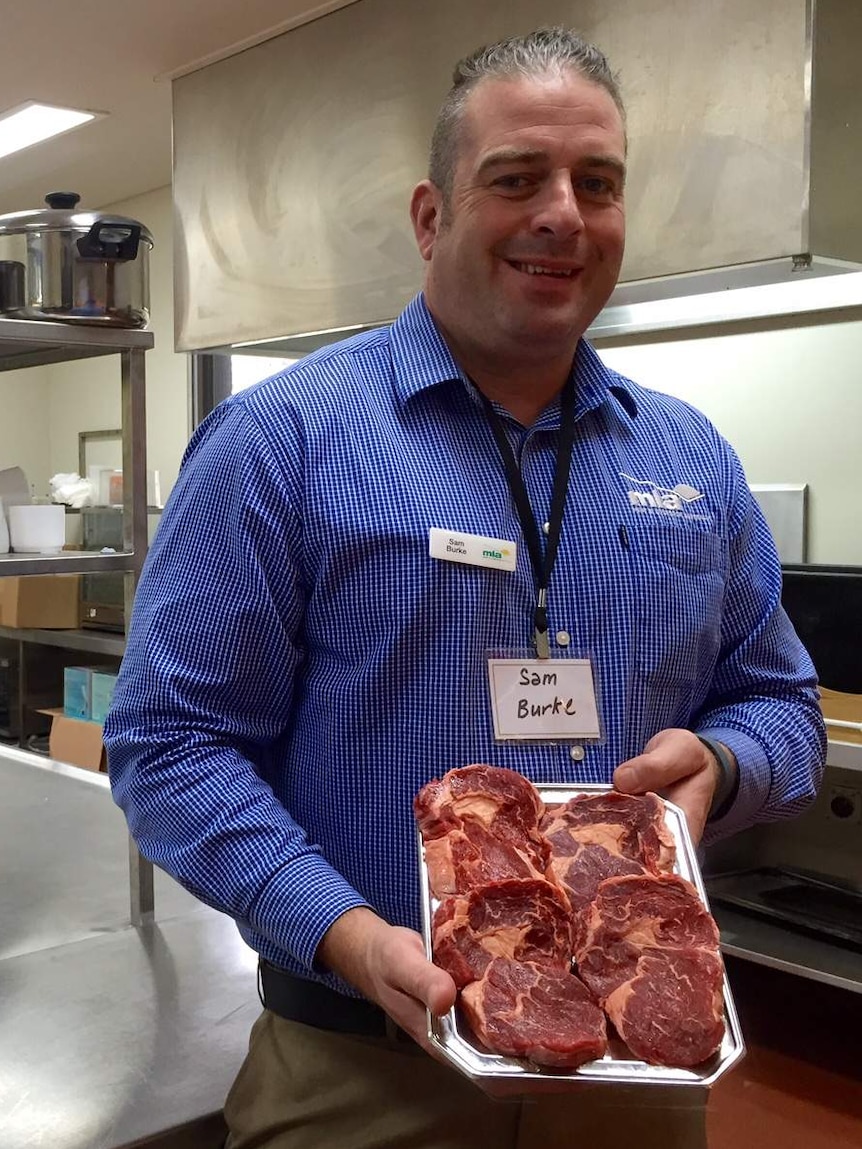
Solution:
(420, 355)
(597, 383)
(422, 359)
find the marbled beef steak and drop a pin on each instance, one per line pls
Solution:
(651, 958)
(598, 836)
(526, 1009)
(672, 1011)
(524, 920)
(480, 823)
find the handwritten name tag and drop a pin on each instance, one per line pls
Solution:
(546, 700)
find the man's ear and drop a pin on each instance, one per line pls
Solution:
(426, 206)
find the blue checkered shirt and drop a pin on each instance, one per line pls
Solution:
(298, 666)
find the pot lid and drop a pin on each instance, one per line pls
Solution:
(61, 215)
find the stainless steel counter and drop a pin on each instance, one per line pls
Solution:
(771, 944)
(108, 1034)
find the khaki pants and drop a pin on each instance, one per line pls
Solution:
(305, 1088)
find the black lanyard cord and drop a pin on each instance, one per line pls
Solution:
(542, 565)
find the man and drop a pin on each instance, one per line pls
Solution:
(305, 654)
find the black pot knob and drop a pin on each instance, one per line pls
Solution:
(63, 201)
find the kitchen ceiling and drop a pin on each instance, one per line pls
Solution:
(100, 55)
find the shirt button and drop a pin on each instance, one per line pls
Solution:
(546, 527)
(563, 638)
(577, 753)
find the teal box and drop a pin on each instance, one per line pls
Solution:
(76, 692)
(101, 691)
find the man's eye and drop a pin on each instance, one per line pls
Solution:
(512, 182)
(597, 186)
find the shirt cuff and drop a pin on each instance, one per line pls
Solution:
(300, 904)
(755, 780)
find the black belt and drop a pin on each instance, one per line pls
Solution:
(311, 1003)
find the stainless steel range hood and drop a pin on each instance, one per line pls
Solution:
(294, 160)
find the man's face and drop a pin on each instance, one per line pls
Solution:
(527, 248)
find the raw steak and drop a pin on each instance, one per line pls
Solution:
(672, 1011)
(593, 837)
(631, 914)
(630, 825)
(651, 958)
(525, 920)
(480, 823)
(524, 1009)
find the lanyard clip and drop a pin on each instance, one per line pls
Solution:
(543, 646)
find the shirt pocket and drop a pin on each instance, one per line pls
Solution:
(679, 585)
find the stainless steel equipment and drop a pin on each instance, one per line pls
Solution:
(291, 194)
(128, 1034)
(76, 266)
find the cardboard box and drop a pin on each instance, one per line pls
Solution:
(76, 742)
(102, 684)
(77, 689)
(48, 602)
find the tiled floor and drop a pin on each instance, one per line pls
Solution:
(800, 1084)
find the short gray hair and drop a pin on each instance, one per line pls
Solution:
(547, 50)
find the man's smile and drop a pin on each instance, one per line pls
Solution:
(556, 272)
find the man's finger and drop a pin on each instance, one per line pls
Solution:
(651, 771)
(694, 805)
(662, 765)
(426, 982)
(435, 988)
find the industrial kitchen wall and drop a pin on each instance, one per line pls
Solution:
(294, 160)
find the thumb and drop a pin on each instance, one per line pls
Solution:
(426, 982)
(441, 992)
(652, 770)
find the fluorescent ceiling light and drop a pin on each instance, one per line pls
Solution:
(32, 123)
(765, 301)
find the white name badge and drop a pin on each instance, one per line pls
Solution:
(475, 550)
(543, 699)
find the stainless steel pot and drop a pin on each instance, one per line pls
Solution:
(79, 266)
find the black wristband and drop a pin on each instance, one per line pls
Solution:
(728, 786)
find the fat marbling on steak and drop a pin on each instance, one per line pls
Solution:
(480, 823)
(526, 920)
(671, 1011)
(651, 958)
(527, 1009)
(598, 836)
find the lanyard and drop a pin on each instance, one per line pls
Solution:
(542, 565)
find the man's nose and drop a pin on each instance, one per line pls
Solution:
(557, 210)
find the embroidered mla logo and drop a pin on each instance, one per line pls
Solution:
(645, 493)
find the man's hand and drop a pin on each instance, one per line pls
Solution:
(387, 964)
(678, 766)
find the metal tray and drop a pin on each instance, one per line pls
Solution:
(502, 1076)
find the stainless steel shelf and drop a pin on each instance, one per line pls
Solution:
(33, 343)
(92, 641)
(752, 939)
(67, 562)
